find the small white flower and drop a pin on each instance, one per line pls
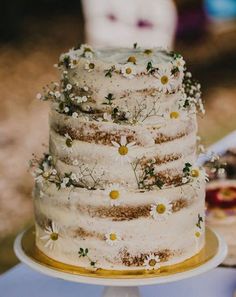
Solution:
(39, 96)
(54, 171)
(85, 88)
(179, 63)
(185, 180)
(107, 117)
(65, 182)
(112, 238)
(57, 94)
(75, 115)
(123, 149)
(89, 65)
(68, 87)
(87, 51)
(75, 162)
(80, 99)
(165, 79)
(161, 209)
(52, 236)
(76, 177)
(114, 194)
(152, 262)
(128, 70)
(66, 109)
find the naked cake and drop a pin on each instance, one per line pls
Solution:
(119, 188)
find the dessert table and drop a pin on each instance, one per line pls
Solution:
(23, 281)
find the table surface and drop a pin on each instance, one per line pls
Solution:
(22, 281)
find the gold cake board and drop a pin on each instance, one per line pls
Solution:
(27, 251)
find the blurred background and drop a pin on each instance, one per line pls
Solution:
(34, 33)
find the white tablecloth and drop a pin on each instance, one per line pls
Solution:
(22, 281)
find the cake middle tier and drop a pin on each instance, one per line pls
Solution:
(135, 156)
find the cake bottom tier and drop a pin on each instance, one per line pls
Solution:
(145, 230)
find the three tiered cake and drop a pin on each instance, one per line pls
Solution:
(119, 189)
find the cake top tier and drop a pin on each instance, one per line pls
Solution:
(124, 85)
(121, 55)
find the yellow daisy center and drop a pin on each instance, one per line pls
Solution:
(87, 49)
(114, 194)
(91, 66)
(128, 70)
(148, 51)
(160, 208)
(46, 174)
(195, 173)
(152, 262)
(197, 234)
(164, 79)
(68, 142)
(54, 236)
(174, 115)
(123, 150)
(131, 59)
(113, 236)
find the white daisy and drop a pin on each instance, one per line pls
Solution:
(165, 79)
(128, 70)
(51, 237)
(68, 144)
(152, 262)
(161, 209)
(176, 114)
(123, 149)
(112, 238)
(57, 94)
(89, 65)
(179, 63)
(76, 177)
(87, 51)
(196, 173)
(114, 194)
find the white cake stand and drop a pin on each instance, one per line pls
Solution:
(122, 285)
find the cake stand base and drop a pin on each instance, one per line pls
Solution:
(121, 292)
(121, 283)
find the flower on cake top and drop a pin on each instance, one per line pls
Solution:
(123, 149)
(152, 262)
(196, 172)
(89, 65)
(176, 114)
(86, 51)
(68, 144)
(161, 209)
(51, 236)
(165, 79)
(112, 238)
(114, 194)
(128, 70)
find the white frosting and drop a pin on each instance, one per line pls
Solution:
(103, 152)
